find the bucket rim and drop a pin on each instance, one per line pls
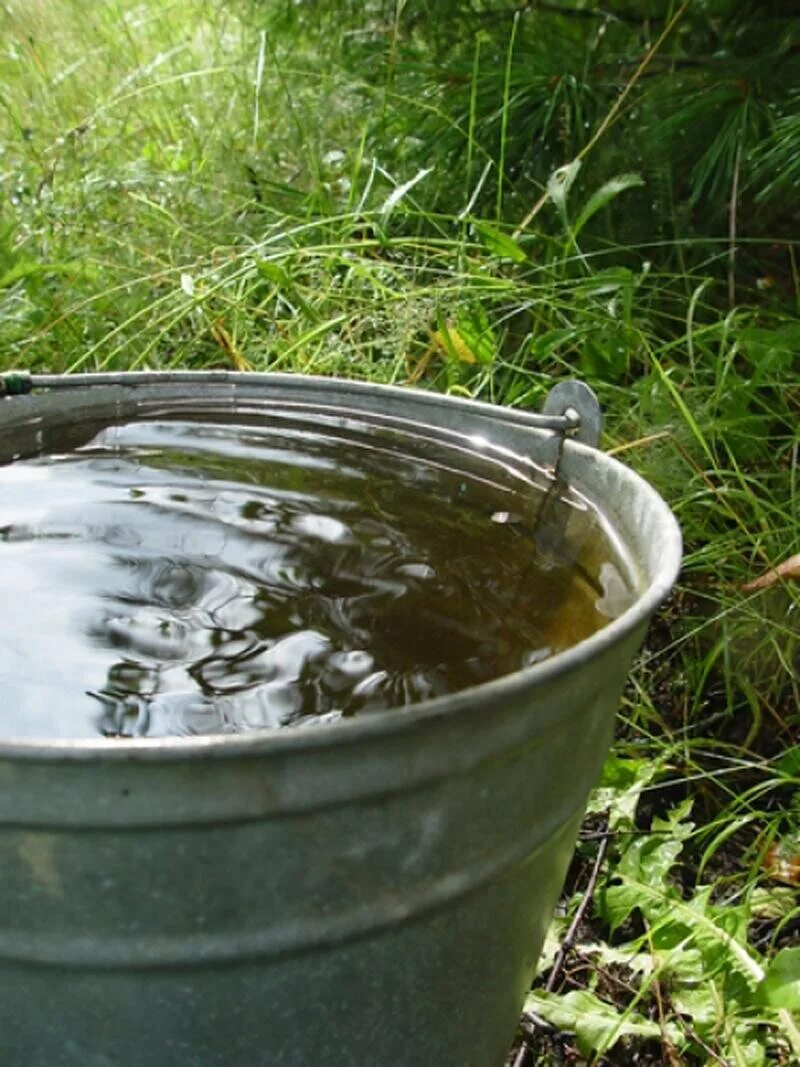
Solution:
(348, 731)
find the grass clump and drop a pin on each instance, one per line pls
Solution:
(208, 185)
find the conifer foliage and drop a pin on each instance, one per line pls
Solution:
(503, 93)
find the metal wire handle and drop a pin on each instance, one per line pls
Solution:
(571, 408)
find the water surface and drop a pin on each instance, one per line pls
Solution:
(191, 577)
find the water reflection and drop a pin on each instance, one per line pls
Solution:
(185, 578)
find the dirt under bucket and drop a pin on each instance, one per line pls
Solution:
(197, 864)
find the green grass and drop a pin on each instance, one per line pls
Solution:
(180, 189)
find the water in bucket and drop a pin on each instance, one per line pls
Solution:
(192, 576)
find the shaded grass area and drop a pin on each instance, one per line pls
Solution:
(180, 188)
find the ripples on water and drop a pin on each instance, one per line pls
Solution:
(200, 577)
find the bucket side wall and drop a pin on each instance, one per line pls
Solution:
(435, 812)
(402, 929)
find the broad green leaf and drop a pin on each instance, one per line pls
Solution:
(650, 858)
(621, 785)
(781, 985)
(499, 243)
(773, 902)
(29, 268)
(789, 763)
(273, 272)
(452, 342)
(604, 195)
(469, 338)
(607, 282)
(719, 932)
(605, 955)
(552, 943)
(675, 819)
(747, 1047)
(545, 344)
(597, 1025)
(607, 350)
(785, 338)
(24, 268)
(622, 773)
(647, 861)
(715, 1021)
(681, 962)
(699, 1004)
(617, 902)
(479, 335)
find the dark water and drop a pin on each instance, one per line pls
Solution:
(183, 577)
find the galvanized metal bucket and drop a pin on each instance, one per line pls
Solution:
(371, 892)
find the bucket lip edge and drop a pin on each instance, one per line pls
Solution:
(266, 740)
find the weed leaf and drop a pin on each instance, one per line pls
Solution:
(397, 194)
(274, 273)
(499, 243)
(597, 1026)
(647, 863)
(603, 196)
(25, 268)
(620, 787)
(789, 763)
(560, 182)
(467, 339)
(608, 281)
(781, 985)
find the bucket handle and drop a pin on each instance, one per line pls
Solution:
(570, 408)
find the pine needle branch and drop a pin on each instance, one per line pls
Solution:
(613, 113)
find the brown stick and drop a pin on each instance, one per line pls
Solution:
(568, 12)
(569, 937)
(732, 220)
(572, 932)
